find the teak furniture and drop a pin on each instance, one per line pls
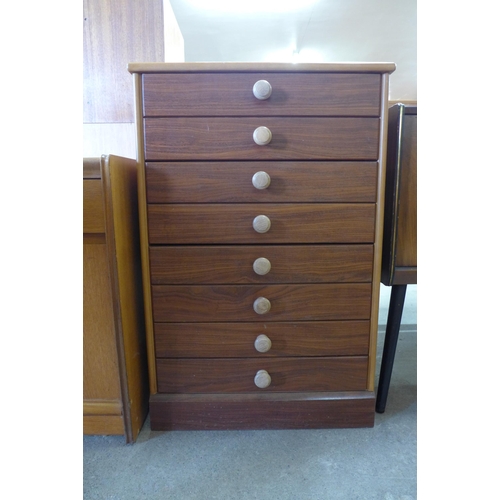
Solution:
(261, 201)
(115, 376)
(399, 259)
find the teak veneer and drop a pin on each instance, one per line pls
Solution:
(261, 212)
(115, 376)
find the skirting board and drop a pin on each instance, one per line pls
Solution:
(262, 411)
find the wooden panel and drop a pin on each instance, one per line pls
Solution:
(379, 227)
(103, 425)
(217, 340)
(100, 360)
(234, 264)
(115, 33)
(290, 223)
(232, 139)
(262, 411)
(120, 181)
(180, 303)
(252, 67)
(102, 407)
(400, 219)
(406, 244)
(231, 182)
(94, 238)
(92, 168)
(237, 375)
(404, 275)
(93, 207)
(226, 94)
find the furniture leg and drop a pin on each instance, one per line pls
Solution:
(396, 305)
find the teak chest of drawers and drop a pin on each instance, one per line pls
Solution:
(261, 195)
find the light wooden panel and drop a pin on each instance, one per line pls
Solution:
(116, 32)
(102, 407)
(100, 359)
(93, 207)
(379, 228)
(103, 425)
(120, 181)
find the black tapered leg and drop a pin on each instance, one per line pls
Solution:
(396, 305)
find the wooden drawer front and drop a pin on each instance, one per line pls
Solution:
(235, 264)
(231, 182)
(93, 207)
(237, 375)
(182, 303)
(232, 138)
(234, 340)
(300, 223)
(210, 94)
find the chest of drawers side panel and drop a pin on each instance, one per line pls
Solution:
(143, 234)
(379, 227)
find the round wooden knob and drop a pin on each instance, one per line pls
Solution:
(261, 305)
(262, 223)
(262, 379)
(261, 266)
(261, 180)
(262, 136)
(262, 90)
(262, 343)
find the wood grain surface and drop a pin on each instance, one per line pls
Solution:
(300, 138)
(399, 260)
(120, 188)
(291, 223)
(205, 303)
(232, 264)
(93, 207)
(237, 375)
(218, 340)
(407, 217)
(291, 181)
(103, 425)
(115, 33)
(100, 357)
(223, 94)
(263, 410)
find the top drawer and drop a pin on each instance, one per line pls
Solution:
(231, 94)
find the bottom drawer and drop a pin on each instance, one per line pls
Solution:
(177, 376)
